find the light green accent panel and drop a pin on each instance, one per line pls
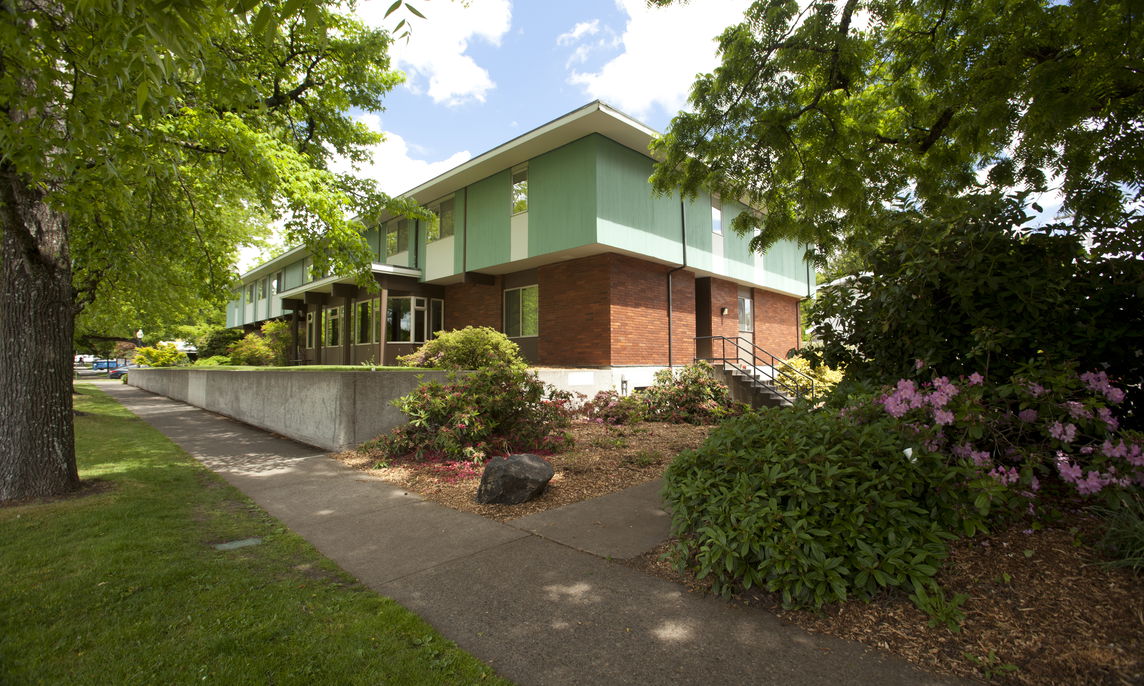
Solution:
(631, 216)
(292, 275)
(784, 268)
(373, 237)
(697, 215)
(739, 261)
(488, 225)
(562, 197)
(234, 312)
(417, 255)
(459, 229)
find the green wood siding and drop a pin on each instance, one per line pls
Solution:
(631, 216)
(488, 225)
(561, 198)
(373, 237)
(292, 275)
(459, 229)
(739, 260)
(698, 218)
(784, 267)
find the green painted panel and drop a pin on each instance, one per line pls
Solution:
(488, 222)
(785, 269)
(292, 275)
(631, 216)
(459, 230)
(373, 237)
(736, 248)
(562, 197)
(698, 218)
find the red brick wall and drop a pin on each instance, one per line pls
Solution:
(724, 294)
(639, 313)
(776, 322)
(468, 304)
(574, 316)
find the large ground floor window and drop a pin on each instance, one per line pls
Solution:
(522, 312)
(410, 319)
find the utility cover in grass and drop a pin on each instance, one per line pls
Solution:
(514, 479)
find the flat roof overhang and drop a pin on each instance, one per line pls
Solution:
(327, 284)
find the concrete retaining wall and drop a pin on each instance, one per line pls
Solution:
(328, 409)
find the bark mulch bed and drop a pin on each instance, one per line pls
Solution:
(604, 459)
(1041, 608)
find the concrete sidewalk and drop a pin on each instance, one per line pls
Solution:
(524, 597)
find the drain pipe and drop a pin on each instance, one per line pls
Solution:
(670, 304)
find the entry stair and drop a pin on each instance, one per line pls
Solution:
(754, 375)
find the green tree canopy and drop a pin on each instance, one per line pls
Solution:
(141, 143)
(832, 115)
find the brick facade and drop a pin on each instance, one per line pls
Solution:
(574, 315)
(777, 327)
(469, 304)
(639, 313)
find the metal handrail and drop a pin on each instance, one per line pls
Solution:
(793, 382)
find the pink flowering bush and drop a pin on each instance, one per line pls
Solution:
(494, 410)
(690, 395)
(609, 407)
(1045, 423)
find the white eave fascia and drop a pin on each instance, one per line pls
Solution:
(321, 284)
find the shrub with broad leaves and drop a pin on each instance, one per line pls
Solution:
(160, 355)
(494, 410)
(609, 407)
(817, 506)
(691, 395)
(265, 349)
(472, 347)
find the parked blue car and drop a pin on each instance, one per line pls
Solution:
(104, 364)
(118, 372)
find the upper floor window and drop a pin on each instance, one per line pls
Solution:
(250, 293)
(522, 312)
(262, 289)
(441, 224)
(716, 216)
(307, 270)
(276, 284)
(520, 190)
(396, 237)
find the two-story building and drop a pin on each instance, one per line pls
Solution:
(556, 239)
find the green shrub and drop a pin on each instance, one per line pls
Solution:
(161, 355)
(213, 361)
(824, 378)
(690, 394)
(472, 347)
(218, 342)
(497, 409)
(817, 506)
(1124, 537)
(265, 349)
(609, 407)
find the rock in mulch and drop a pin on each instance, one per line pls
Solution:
(514, 479)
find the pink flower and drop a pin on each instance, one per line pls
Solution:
(976, 379)
(1027, 415)
(919, 364)
(943, 417)
(1063, 432)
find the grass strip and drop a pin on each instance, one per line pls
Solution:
(123, 585)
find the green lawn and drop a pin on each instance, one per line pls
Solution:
(124, 586)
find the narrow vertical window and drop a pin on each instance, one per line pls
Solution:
(436, 317)
(746, 314)
(716, 216)
(307, 270)
(310, 330)
(334, 326)
(363, 322)
(276, 284)
(522, 312)
(399, 320)
(520, 190)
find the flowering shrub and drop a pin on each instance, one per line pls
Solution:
(494, 410)
(609, 407)
(825, 378)
(1044, 423)
(472, 347)
(691, 395)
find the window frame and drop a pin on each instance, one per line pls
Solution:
(519, 291)
(716, 215)
(311, 330)
(417, 304)
(400, 230)
(437, 226)
(371, 312)
(333, 327)
(750, 306)
(516, 196)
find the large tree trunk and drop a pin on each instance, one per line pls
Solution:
(37, 450)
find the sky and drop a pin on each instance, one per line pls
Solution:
(481, 72)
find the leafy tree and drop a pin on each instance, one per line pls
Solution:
(160, 355)
(219, 341)
(832, 115)
(141, 143)
(266, 349)
(969, 294)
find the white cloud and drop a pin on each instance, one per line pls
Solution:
(434, 57)
(392, 166)
(584, 28)
(663, 50)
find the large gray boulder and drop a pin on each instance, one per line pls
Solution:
(514, 479)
